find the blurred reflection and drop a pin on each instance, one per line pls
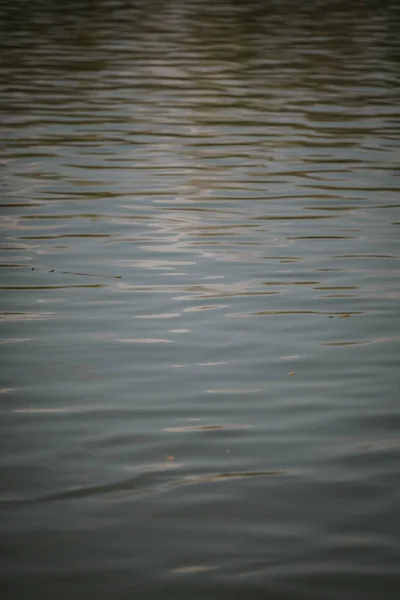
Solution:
(215, 160)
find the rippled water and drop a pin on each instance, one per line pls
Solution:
(199, 316)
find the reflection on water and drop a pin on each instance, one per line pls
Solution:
(171, 170)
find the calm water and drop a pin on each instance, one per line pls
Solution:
(199, 300)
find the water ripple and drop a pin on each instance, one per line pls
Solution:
(169, 171)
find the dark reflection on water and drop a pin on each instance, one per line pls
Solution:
(199, 323)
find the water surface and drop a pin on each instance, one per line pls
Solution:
(199, 318)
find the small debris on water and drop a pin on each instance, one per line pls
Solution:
(291, 373)
(345, 315)
(82, 274)
(170, 457)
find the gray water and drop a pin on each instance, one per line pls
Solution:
(199, 300)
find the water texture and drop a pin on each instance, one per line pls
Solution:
(199, 326)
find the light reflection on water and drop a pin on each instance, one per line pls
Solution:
(205, 197)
